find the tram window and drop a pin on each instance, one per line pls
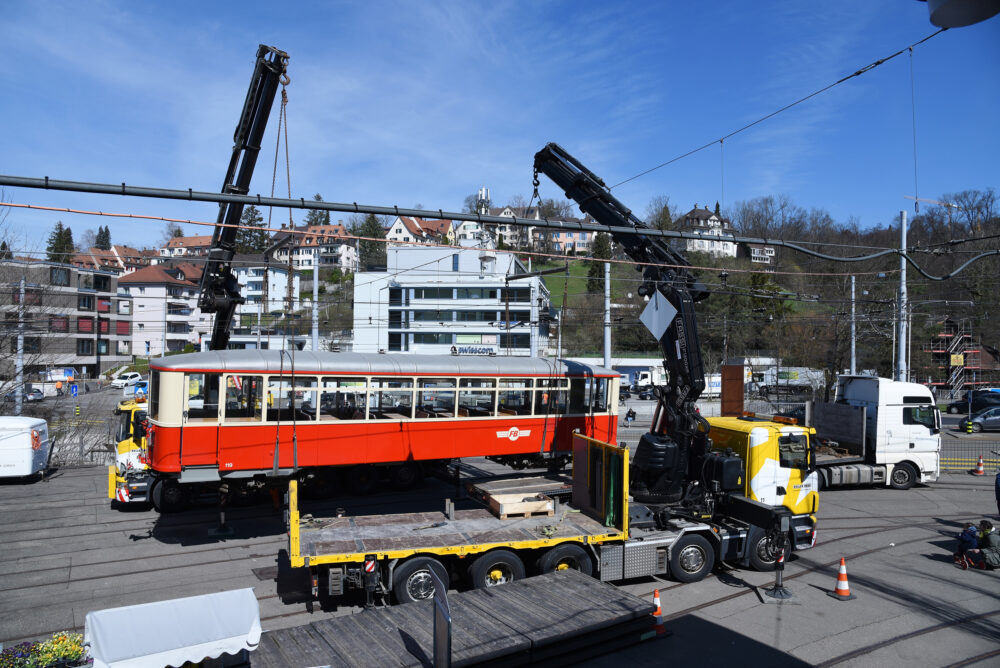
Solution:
(342, 398)
(578, 395)
(598, 394)
(515, 396)
(243, 398)
(435, 397)
(476, 397)
(203, 397)
(154, 395)
(549, 398)
(391, 398)
(291, 398)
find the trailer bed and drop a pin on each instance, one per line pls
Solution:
(416, 531)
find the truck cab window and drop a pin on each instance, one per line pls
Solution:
(922, 415)
(792, 451)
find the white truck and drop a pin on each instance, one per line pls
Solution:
(654, 375)
(877, 432)
(24, 446)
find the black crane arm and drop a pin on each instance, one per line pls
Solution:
(664, 270)
(219, 290)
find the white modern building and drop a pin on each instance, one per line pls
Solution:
(328, 243)
(165, 309)
(450, 300)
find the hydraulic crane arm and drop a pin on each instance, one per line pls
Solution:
(664, 270)
(220, 291)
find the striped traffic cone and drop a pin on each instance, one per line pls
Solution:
(658, 615)
(843, 590)
(979, 470)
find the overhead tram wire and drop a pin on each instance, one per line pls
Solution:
(192, 195)
(720, 140)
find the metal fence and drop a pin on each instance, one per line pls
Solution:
(964, 455)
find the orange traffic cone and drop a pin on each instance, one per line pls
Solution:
(843, 590)
(979, 470)
(658, 615)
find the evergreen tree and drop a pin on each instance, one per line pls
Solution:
(5, 253)
(599, 249)
(251, 237)
(103, 238)
(717, 209)
(315, 216)
(60, 247)
(370, 252)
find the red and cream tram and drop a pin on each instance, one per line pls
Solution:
(240, 413)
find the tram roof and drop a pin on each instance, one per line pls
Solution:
(270, 361)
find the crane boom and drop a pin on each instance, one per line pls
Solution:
(219, 289)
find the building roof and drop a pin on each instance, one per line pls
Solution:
(190, 242)
(156, 274)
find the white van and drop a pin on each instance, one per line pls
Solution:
(24, 446)
(126, 379)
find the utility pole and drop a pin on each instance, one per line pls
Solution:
(315, 324)
(163, 334)
(854, 332)
(607, 315)
(901, 370)
(19, 368)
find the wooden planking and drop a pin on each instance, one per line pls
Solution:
(539, 619)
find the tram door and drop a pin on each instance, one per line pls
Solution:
(200, 436)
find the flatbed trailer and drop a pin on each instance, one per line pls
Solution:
(465, 541)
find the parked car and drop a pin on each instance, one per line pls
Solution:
(34, 394)
(979, 403)
(127, 379)
(982, 421)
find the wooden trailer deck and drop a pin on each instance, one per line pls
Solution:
(559, 618)
(433, 531)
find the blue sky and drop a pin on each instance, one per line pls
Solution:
(422, 103)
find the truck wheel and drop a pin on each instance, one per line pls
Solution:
(318, 484)
(691, 558)
(762, 558)
(363, 479)
(496, 568)
(904, 476)
(405, 476)
(412, 581)
(169, 497)
(566, 556)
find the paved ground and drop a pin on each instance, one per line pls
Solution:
(64, 552)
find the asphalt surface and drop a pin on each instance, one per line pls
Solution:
(64, 552)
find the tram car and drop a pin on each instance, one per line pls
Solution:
(245, 413)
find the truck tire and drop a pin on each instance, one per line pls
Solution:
(566, 556)
(362, 479)
(405, 476)
(691, 558)
(169, 497)
(904, 476)
(496, 568)
(412, 581)
(761, 558)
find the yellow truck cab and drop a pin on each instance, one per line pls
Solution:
(780, 470)
(128, 477)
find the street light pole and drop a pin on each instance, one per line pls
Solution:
(854, 332)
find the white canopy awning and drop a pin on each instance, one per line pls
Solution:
(169, 633)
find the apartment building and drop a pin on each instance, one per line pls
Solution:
(118, 259)
(327, 243)
(450, 301)
(166, 314)
(196, 246)
(69, 316)
(264, 285)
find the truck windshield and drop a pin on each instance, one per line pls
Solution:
(792, 451)
(124, 426)
(922, 415)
